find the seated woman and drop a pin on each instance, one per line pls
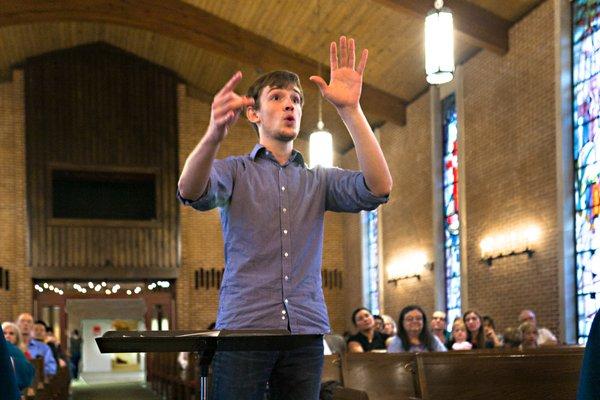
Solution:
(367, 338)
(529, 336)
(413, 336)
(459, 336)
(24, 371)
(475, 333)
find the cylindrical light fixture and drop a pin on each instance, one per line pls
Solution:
(439, 44)
(321, 147)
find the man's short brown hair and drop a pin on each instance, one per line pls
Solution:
(275, 79)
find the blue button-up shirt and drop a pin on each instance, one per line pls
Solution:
(38, 349)
(272, 221)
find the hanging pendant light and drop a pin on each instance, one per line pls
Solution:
(439, 44)
(320, 141)
(321, 147)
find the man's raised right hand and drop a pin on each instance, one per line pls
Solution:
(226, 108)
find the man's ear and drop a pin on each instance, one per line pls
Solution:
(252, 115)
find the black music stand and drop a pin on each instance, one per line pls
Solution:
(205, 343)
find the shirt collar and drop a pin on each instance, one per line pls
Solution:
(260, 149)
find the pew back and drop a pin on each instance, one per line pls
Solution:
(496, 375)
(381, 376)
(332, 369)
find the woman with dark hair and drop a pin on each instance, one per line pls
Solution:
(413, 336)
(475, 333)
(367, 338)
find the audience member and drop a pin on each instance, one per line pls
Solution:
(36, 348)
(529, 335)
(413, 334)
(545, 337)
(459, 336)
(438, 327)
(24, 371)
(8, 380)
(378, 323)
(12, 334)
(367, 338)
(511, 338)
(475, 334)
(75, 345)
(389, 325)
(54, 344)
(489, 330)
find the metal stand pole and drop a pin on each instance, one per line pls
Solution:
(204, 360)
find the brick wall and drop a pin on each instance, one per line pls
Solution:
(407, 226)
(509, 150)
(12, 199)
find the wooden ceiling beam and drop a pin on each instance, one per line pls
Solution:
(482, 28)
(182, 21)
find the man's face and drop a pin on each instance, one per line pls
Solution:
(279, 114)
(438, 321)
(39, 332)
(527, 316)
(25, 323)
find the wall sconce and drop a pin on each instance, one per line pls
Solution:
(409, 267)
(511, 244)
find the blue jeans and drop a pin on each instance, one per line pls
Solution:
(292, 375)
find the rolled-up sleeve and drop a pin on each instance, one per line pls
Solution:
(347, 191)
(219, 188)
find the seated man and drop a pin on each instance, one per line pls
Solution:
(36, 348)
(438, 327)
(545, 337)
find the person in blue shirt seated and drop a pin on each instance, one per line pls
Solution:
(413, 333)
(272, 210)
(36, 348)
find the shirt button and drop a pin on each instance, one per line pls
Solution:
(285, 231)
(285, 210)
(285, 254)
(285, 277)
(285, 301)
(283, 188)
(283, 312)
(283, 317)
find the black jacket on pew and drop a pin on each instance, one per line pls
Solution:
(589, 379)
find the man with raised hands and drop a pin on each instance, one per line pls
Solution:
(272, 210)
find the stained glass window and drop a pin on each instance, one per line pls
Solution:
(451, 220)
(370, 260)
(586, 144)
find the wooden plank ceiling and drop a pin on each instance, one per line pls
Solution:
(205, 41)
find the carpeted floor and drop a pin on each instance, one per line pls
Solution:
(113, 391)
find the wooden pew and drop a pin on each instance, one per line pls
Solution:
(497, 375)
(332, 369)
(381, 376)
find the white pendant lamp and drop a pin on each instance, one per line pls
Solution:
(439, 44)
(320, 141)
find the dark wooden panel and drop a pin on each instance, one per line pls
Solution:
(97, 108)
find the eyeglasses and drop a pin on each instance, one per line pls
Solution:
(439, 318)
